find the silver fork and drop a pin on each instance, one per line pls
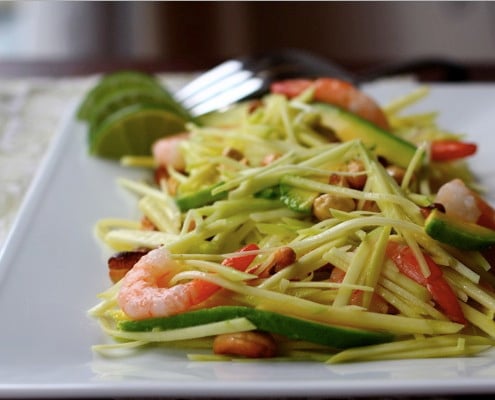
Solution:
(246, 77)
(251, 76)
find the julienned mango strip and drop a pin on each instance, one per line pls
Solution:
(140, 188)
(342, 316)
(412, 306)
(130, 239)
(354, 271)
(405, 101)
(279, 168)
(472, 290)
(397, 302)
(219, 327)
(103, 226)
(306, 264)
(379, 238)
(441, 346)
(190, 337)
(217, 268)
(310, 184)
(347, 227)
(157, 211)
(477, 318)
(406, 295)
(413, 166)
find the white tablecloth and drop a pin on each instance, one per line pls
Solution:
(30, 113)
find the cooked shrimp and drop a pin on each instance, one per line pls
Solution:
(459, 201)
(144, 292)
(463, 203)
(166, 151)
(337, 92)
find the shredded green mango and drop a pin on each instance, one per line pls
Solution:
(273, 175)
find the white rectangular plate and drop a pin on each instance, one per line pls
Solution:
(52, 267)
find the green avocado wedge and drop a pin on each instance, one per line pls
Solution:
(297, 199)
(199, 198)
(348, 126)
(457, 233)
(268, 321)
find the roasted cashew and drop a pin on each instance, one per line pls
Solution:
(251, 344)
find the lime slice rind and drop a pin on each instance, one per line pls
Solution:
(132, 131)
(124, 98)
(117, 82)
(110, 83)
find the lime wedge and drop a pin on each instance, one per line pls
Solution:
(132, 130)
(114, 82)
(128, 96)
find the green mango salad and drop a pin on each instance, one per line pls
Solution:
(297, 226)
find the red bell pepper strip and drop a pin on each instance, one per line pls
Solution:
(487, 217)
(241, 262)
(449, 150)
(441, 292)
(377, 304)
(238, 262)
(337, 92)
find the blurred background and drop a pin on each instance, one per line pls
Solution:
(199, 34)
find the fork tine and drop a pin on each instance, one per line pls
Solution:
(228, 97)
(222, 85)
(229, 82)
(233, 71)
(206, 79)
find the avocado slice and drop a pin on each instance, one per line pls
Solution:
(297, 199)
(270, 193)
(348, 126)
(268, 321)
(457, 233)
(200, 198)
